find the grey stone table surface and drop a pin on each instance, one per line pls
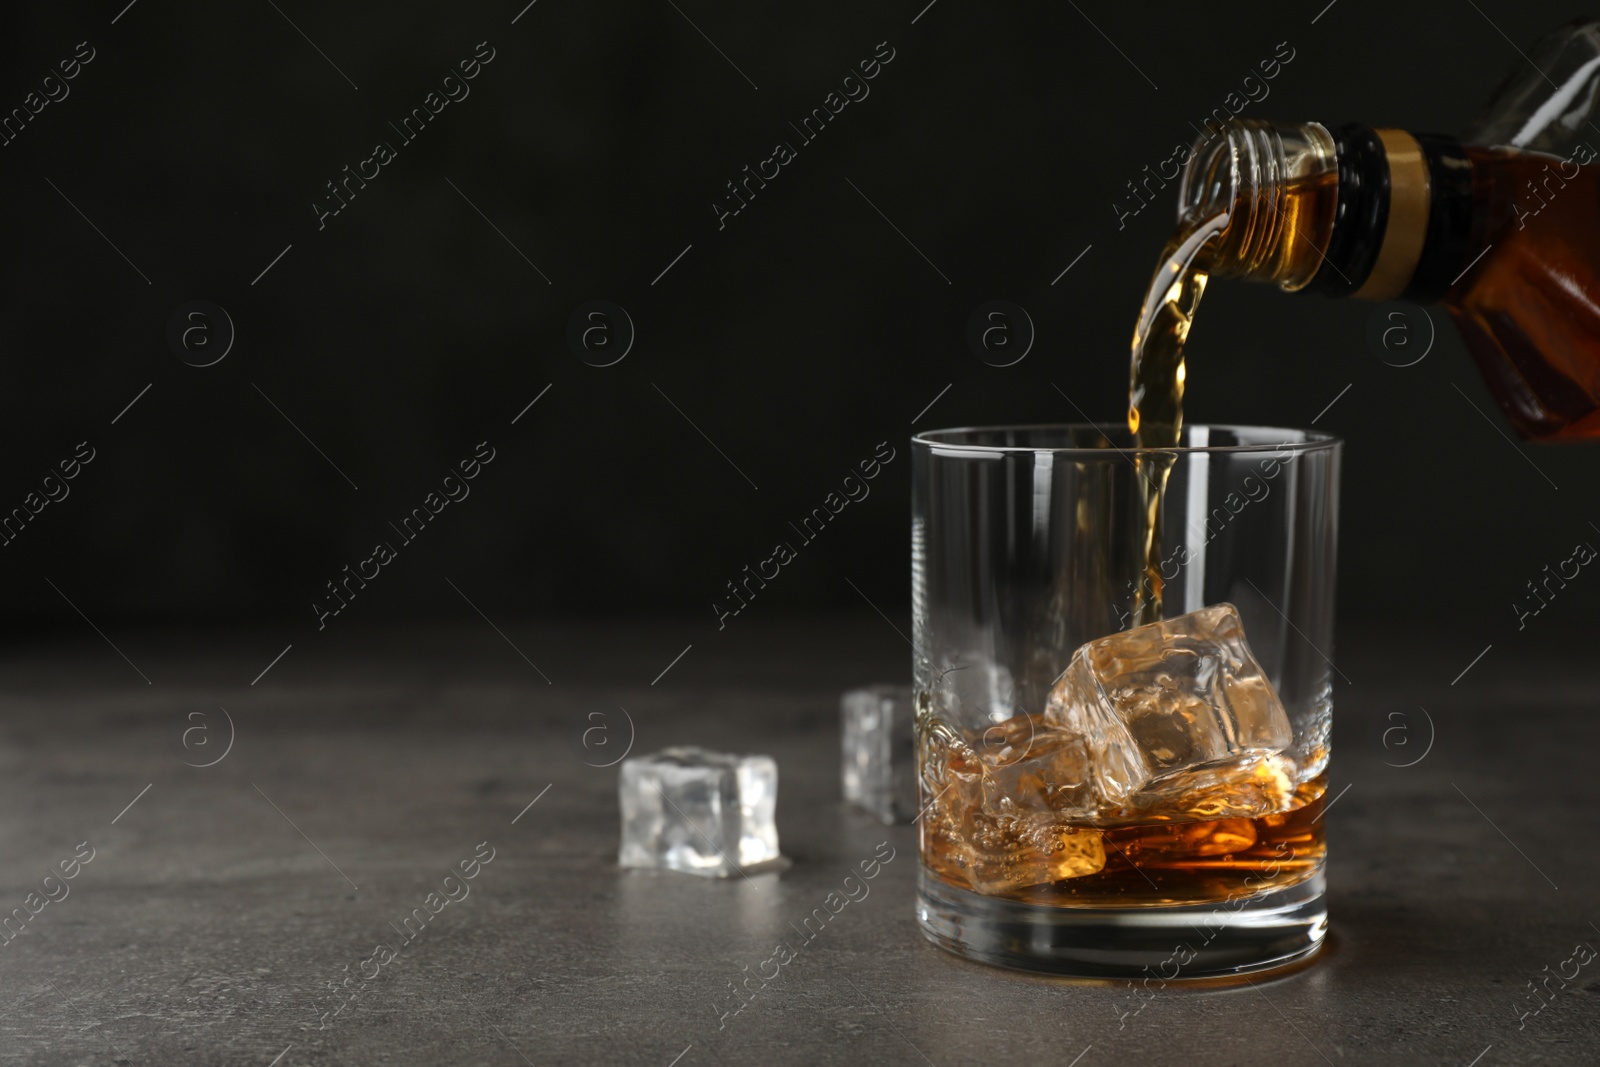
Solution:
(225, 906)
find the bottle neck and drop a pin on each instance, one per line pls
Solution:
(1342, 211)
(1271, 187)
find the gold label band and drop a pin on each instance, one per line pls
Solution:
(1407, 228)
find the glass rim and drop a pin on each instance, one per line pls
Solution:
(947, 440)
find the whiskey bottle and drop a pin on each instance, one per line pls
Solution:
(1502, 226)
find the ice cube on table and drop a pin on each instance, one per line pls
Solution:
(1174, 711)
(877, 751)
(701, 812)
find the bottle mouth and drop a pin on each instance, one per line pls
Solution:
(1244, 170)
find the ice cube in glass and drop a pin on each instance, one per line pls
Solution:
(1171, 708)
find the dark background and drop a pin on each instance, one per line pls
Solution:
(796, 338)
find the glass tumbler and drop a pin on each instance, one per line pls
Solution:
(1156, 809)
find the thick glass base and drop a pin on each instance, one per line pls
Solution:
(1255, 933)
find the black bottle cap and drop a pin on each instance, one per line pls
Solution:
(1361, 214)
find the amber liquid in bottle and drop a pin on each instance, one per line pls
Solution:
(1529, 309)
